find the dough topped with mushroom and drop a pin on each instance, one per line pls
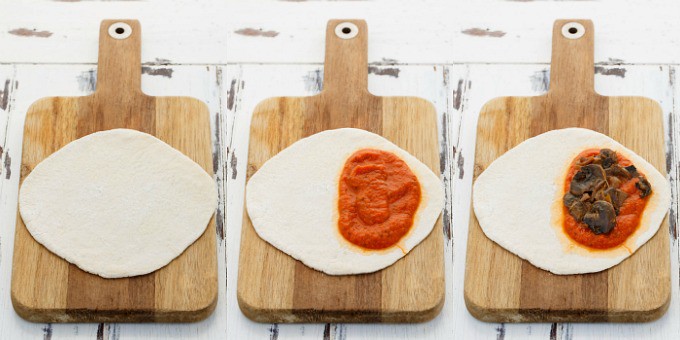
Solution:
(571, 201)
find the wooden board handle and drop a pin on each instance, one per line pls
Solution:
(120, 68)
(346, 65)
(572, 67)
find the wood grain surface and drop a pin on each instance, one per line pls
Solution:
(45, 287)
(457, 54)
(274, 287)
(501, 287)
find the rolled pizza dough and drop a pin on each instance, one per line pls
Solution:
(117, 203)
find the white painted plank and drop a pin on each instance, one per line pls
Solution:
(251, 84)
(7, 87)
(430, 32)
(182, 32)
(480, 84)
(31, 87)
(73, 80)
(521, 32)
(407, 32)
(246, 88)
(456, 31)
(436, 32)
(196, 32)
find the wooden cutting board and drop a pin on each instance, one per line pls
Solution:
(46, 288)
(274, 287)
(501, 287)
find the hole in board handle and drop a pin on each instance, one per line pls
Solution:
(346, 30)
(573, 30)
(120, 30)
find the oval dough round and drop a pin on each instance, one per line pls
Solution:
(518, 202)
(117, 203)
(292, 202)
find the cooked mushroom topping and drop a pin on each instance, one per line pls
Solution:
(594, 197)
(618, 171)
(569, 199)
(615, 197)
(608, 158)
(589, 178)
(579, 209)
(584, 161)
(614, 182)
(599, 195)
(644, 186)
(601, 218)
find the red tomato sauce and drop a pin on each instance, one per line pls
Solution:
(378, 198)
(627, 221)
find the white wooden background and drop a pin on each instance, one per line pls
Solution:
(457, 54)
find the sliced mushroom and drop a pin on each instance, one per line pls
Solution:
(599, 195)
(618, 171)
(601, 218)
(589, 178)
(614, 182)
(615, 197)
(579, 209)
(644, 186)
(632, 170)
(569, 199)
(608, 158)
(587, 198)
(584, 161)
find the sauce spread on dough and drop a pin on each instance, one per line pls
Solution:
(604, 200)
(378, 198)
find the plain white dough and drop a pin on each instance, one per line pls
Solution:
(518, 202)
(292, 202)
(117, 203)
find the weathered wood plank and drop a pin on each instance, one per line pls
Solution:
(623, 37)
(72, 80)
(238, 101)
(11, 325)
(8, 85)
(426, 81)
(289, 285)
(480, 83)
(45, 288)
